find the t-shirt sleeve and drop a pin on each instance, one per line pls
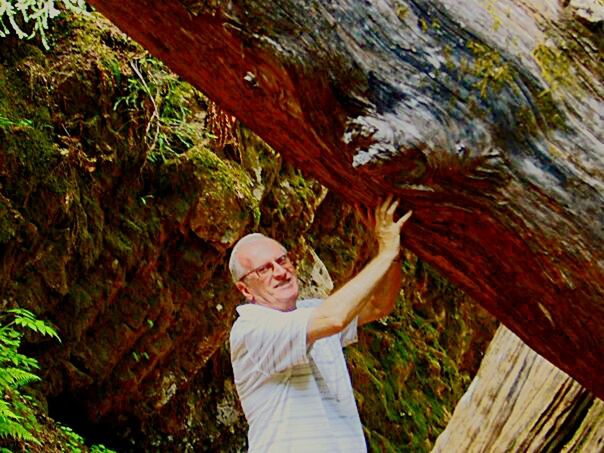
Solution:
(278, 342)
(349, 334)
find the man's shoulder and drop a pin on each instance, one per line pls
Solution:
(239, 330)
(241, 324)
(251, 316)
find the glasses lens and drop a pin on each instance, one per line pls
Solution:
(265, 270)
(283, 260)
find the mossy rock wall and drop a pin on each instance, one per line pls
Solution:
(117, 211)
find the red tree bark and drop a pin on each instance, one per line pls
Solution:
(485, 118)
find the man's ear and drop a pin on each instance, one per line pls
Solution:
(243, 289)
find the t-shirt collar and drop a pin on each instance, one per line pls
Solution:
(249, 309)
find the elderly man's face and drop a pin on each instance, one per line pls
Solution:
(275, 284)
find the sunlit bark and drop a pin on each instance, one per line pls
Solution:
(484, 117)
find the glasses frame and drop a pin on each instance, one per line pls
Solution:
(284, 258)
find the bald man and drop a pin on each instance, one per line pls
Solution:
(286, 353)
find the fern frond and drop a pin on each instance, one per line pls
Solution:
(7, 413)
(17, 360)
(13, 430)
(22, 313)
(16, 377)
(26, 319)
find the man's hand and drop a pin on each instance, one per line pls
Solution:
(339, 309)
(382, 298)
(387, 231)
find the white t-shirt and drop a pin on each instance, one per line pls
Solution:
(294, 399)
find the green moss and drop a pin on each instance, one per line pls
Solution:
(555, 66)
(120, 244)
(492, 72)
(224, 176)
(550, 116)
(199, 179)
(423, 24)
(490, 7)
(401, 11)
(545, 115)
(30, 146)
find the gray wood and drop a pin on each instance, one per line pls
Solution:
(518, 401)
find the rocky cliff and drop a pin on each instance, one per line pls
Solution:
(121, 190)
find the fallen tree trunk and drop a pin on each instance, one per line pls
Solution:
(519, 401)
(485, 118)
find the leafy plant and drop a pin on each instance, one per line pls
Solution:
(5, 122)
(20, 13)
(75, 442)
(100, 448)
(17, 370)
(166, 102)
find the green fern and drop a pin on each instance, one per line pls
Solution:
(16, 377)
(11, 425)
(7, 413)
(12, 430)
(17, 421)
(26, 319)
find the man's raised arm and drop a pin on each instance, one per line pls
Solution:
(382, 299)
(339, 309)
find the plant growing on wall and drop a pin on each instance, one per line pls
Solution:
(166, 104)
(16, 371)
(33, 15)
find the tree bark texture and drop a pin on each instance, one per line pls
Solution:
(519, 401)
(484, 117)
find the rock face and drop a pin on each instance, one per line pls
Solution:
(121, 191)
(116, 216)
(484, 117)
(519, 401)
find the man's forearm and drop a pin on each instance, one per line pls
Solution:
(346, 303)
(388, 289)
(382, 299)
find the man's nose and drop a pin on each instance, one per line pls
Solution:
(279, 271)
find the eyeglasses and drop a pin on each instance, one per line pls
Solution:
(266, 269)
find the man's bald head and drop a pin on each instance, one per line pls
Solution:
(237, 266)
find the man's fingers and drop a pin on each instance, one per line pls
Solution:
(387, 203)
(392, 208)
(403, 219)
(382, 207)
(379, 210)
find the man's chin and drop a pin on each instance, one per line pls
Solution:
(290, 291)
